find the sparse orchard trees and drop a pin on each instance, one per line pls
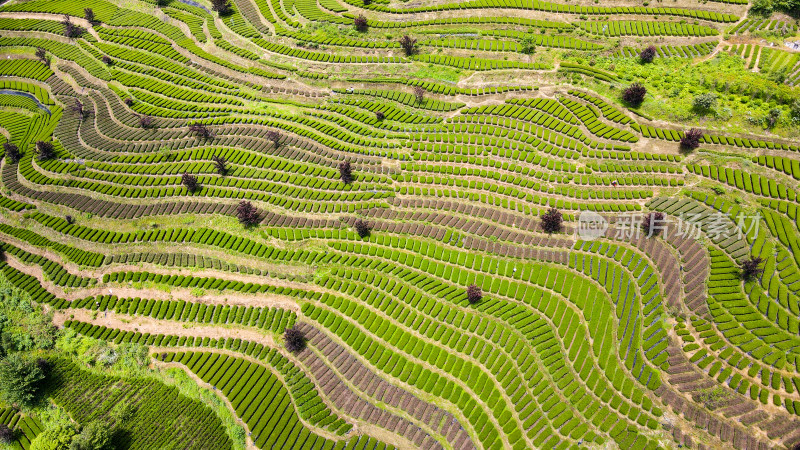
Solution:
(223, 7)
(146, 122)
(653, 223)
(247, 213)
(294, 339)
(45, 150)
(41, 55)
(360, 22)
(691, 138)
(474, 294)
(79, 109)
(648, 54)
(190, 181)
(751, 269)
(634, 94)
(12, 152)
(88, 14)
(219, 164)
(552, 221)
(200, 130)
(345, 172)
(275, 136)
(70, 29)
(408, 44)
(362, 227)
(419, 94)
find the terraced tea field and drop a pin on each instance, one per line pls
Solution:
(365, 224)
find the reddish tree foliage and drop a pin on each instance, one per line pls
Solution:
(409, 45)
(128, 101)
(107, 60)
(751, 269)
(79, 109)
(691, 139)
(345, 172)
(223, 7)
(70, 29)
(362, 227)
(647, 54)
(12, 152)
(295, 339)
(146, 121)
(200, 130)
(552, 220)
(41, 55)
(360, 22)
(190, 181)
(6, 434)
(634, 94)
(88, 14)
(380, 115)
(653, 223)
(474, 294)
(219, 164)
(275, 136)
(247, 213)
(419, 94)
(45, 150)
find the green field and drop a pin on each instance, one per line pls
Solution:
(380, 224)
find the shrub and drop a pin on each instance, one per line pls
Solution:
(200, 130)
(409, 45)
(691, 138)
(360, 22)
(419, 94)
(552, 221)
(146, 121)
(219, 164)
(773, 117)
(106, 60)
(474, 294)
(362, 227)
(528, 45)
(6, 434)
(647, 55)
(751, 269)
(88, 14)
(653, 223)
(379, 115)
(45, 150)
(345, 172)
(247, 213)
(796, 109)
(20, 376)
(12, 152)
(223, 7)
(190, 181)
(94, 436)
(294, 339)
(41, 55)
(634, 94)
(705, 102)
(275, 136)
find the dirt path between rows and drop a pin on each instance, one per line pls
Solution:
(227, 298)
